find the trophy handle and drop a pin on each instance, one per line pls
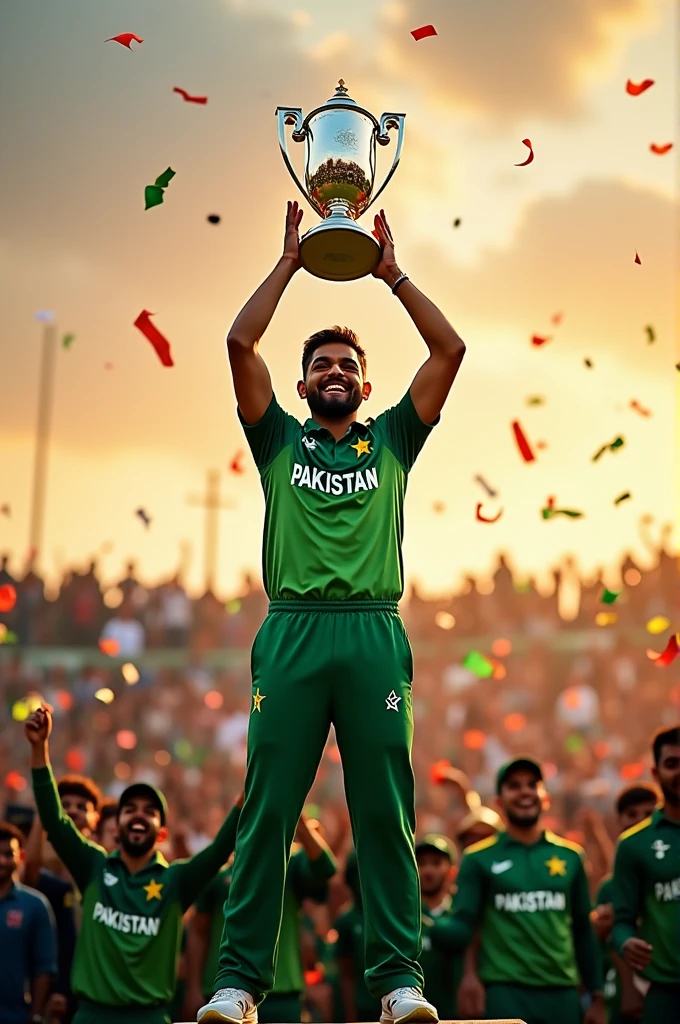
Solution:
(388, 121)
(291, 115)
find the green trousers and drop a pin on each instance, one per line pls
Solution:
(534, 1004)
(280, 1008)
(662, 1003)
(315, 663)
(93, 1013)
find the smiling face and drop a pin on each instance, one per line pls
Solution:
(334, 386)
(139, 826)
(521, 798)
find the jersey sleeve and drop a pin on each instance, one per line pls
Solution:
(209, 899)
(271, 434)
(194, 874)
(80, 856)
(586, 948)
(403, 431)
(626, 895)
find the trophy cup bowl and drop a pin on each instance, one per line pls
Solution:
(339, 180)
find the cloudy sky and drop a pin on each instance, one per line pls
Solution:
(87, 124)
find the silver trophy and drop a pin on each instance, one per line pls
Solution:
(340, 167)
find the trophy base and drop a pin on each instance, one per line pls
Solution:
(338, 249)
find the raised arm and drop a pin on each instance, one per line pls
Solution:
(433, 381)
(252, 382)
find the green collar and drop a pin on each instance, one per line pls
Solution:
(157, 860)
(310, 426)
(658, 817)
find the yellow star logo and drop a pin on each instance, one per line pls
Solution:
(361, 447)
(556, 866)
(257, 700)
(153, 890)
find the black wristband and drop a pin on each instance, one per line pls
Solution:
(397, 284)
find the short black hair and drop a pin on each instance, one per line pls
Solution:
(670, 734)
(107, 809)
(8, 831)
(327, 336)
(80, 785)
(639, 793)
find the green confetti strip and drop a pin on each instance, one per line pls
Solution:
(153, 194)
(609, 596)
(535, 400)
(623, 497)
(164, 179)
(477, 664)
(618, 442)
(571, 513)
(651, 336)
(67, 340)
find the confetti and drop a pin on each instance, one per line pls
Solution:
(5, 510)
(659, 624)
(639, 408)
(638, 260)
(527, 142)
(438, 507)
(44, 316)
(538, 339)
(535, 400)
(423, 32)
(108, 366)
(474, 739)
(477, 664)
(125, 38)
(67, 340)
(556, 318)
(588, 363)
(487, 487)
(457, 222)
(483, 519)
(158, 340)
(236, 465)
(609, 596)
(634, 89)
(618, 442)
(439, 771)
(214, 218)
(570, 513)
(445, 620)
(153, 194)
(669, 653)
(541, 445)
(622, 497)
(8, 597)
(660, 150)
(105, 694)
(522, 443)
(651, 336)
(144, 516)
(110, 647)
(188, 98)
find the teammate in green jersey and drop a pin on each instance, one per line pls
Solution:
(310, 868)
(333, 648)
(349, 951)
(526, 892)
(623, 1000)
(646, 889)
(133, 901)
(442, 968)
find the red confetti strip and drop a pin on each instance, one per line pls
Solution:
(483, 519)
(235, 465)
(639, 408)
(522, 443)
(110, 647)
(669, 654)
(125, 38)
(556, 318)
(637, 259)
(8, 597)
(527, 142)
(188, 98)
(550, 503)
(660, 150)
(438, 771)
(634, 89)
(423, 32)
(538, 339)
(158, 340)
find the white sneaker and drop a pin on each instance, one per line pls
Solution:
(229, 1004)
(405, 1005)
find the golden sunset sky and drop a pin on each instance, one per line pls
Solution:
(87, 124)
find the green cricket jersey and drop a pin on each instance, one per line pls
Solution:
(532, 908)
(305, 879)
(127, 949)
(646, 889)
(441, 967)
(612, 988)
(334, 519)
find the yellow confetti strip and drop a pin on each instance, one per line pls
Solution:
(130, 673)
(658, 624)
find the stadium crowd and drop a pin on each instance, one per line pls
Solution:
(170, 707)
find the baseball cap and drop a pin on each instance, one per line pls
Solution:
(147, 790)
(528, 763)
(440, 844)
(480, 816)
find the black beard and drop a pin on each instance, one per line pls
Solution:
(334, 408)
(137, 849)
(671, 796)
(524, 822)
